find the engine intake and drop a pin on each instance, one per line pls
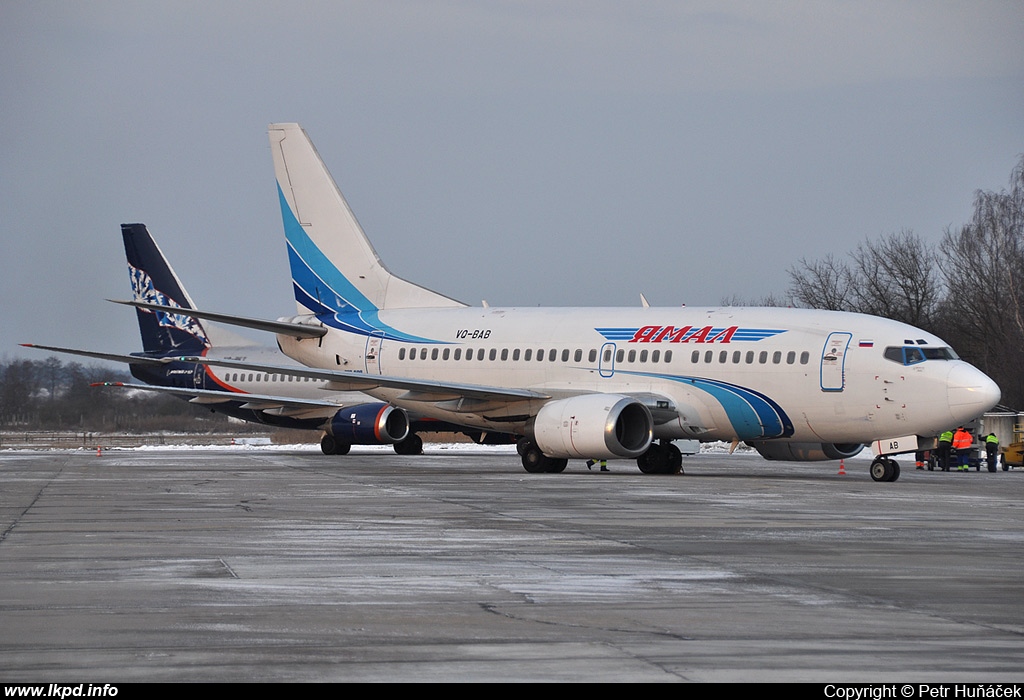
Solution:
(805, 451)
(601, 426)
(369, 424)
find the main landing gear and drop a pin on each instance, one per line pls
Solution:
(411, 445)
(661, 458)
(885, 469)
(535, 461)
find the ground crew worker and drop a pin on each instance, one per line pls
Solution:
(945, 443)
(603, 462)
(962, 442)
(991, 450)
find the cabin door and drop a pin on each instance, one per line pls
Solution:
(833, 361)
(374, 345)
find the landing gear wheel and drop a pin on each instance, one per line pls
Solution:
(536, 462)
(661, 458)
(884, 469)
(675, 460)
(327, 444)
(648, 461)
(411, 445)
(330, 446)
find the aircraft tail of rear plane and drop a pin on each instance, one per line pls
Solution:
(154, 281)
(334, 267)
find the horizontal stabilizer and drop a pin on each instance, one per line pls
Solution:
(268, 403)
(111, 357)
(295, 330)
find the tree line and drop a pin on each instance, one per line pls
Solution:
(53, 395)
(969, 290)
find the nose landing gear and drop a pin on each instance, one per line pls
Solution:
(885, 469)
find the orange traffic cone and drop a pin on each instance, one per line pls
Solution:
(99, 450)
(842, 467)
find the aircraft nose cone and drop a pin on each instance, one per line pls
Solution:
(971, 392)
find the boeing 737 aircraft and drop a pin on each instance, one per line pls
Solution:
(603, 383)
(281, 400)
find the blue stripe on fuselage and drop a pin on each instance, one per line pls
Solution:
(753, 415)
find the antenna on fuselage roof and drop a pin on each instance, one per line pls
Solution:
(643, 301)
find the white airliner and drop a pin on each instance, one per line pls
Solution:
(606, 383)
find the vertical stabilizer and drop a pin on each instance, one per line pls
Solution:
(334, 267)
(154, 281)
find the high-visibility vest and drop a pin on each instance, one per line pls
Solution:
(946, 436)
(962, 440)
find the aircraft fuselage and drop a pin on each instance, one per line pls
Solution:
(727, 373)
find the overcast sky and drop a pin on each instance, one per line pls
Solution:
(526, 153)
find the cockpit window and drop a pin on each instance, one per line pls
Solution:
(912, 354)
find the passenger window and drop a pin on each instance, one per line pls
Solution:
(552, 355)
(695, 356)
(577, 356)
(565, 355)
(777, 357)
(632, 355)
(433, 354)
(446, 353)
(762, 358)
(723, 356)
(805, 357)
(655, 355)
(528, 355)
(750, 357)
(515, 355)
(736, 357)
(494, 354)
(668, 356)
(504, 354)
(423, 353)
(401, 353)
(620, 355)
(790, 357)
(643, 356)
(469, 353)
(458, 354)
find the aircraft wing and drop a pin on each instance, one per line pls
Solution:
(112, 357)
(417, 389)
(296, 330)
(276, 405)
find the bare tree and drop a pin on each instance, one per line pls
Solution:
(822, 284)
(984, 270)
(897, 277)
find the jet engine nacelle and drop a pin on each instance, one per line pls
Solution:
(369, 424)
(805, 451)
(594, 426)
